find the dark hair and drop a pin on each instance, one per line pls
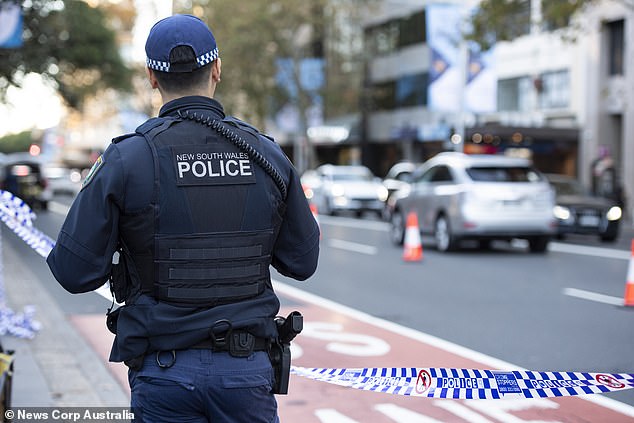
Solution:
(182, 81)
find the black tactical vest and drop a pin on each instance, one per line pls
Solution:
(212, 231)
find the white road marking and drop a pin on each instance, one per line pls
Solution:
(350, 222)
(57, 207)
(593, 296)
(353, 246)
(589, 251)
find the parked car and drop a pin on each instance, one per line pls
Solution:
(62, 180)
(578, 211)
(21, 174)
(336, 189)
(481, 197)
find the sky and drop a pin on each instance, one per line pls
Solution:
(36, 105)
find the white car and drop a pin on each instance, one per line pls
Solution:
(482, 197)
(336, 189)
(62, 180)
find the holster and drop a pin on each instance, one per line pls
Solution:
(280, 353)
(121, 275)
(281, 360)
(124, 284)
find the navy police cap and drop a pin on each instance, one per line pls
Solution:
(180, 30)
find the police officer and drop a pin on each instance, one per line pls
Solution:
(195, 206)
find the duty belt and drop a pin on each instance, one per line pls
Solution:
(237, 343)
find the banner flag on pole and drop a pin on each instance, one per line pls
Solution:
(10, 24)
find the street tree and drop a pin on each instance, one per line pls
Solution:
(70, 44)
(505, 20)
(286, 54)
(260, 38)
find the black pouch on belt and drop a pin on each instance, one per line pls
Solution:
(241, 344)
(111, 320)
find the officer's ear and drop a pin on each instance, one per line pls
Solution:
(152, 78)
(216, 69)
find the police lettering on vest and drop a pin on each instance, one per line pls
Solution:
(212, 164)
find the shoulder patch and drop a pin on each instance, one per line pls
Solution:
(93, 170)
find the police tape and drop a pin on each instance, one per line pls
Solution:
(470, 383)
(408, 381)
(18, 217)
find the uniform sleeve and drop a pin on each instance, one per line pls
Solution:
(82, 257)
(297, 248)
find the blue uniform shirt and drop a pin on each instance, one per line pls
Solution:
(121, 184)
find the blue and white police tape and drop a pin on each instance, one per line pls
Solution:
(470, 383)
(16, 207)
(18, 217)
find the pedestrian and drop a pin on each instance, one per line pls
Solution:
(192, 209)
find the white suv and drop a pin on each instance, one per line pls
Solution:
(483, 197)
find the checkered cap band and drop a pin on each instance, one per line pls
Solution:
(202, 60)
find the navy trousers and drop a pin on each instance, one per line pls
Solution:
(203, 386)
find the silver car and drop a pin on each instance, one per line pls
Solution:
(482, 197)
(336, 188)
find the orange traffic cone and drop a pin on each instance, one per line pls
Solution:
(412, 246)
(313, 209)
(629, 285)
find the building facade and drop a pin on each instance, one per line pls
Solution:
(559, 97)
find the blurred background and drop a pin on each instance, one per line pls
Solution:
(343, 82)
(503, 123)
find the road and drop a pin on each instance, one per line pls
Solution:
(558, 311)
(507, 303)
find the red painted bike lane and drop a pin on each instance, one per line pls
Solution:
(335, 336)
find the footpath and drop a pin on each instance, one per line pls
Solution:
(57, 368)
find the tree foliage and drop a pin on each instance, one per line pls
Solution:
(68, 42)
(505, 20)
(16, 142)
(255, 35)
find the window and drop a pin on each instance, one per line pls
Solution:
(383, 96)
(442, 174)
(439, 173)
(555, 90)
(616, 47)
(406, 91)
(389, 36)
(513, 94)
(412, 29)
(381, 39)
(503, 174)
(411, 90)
